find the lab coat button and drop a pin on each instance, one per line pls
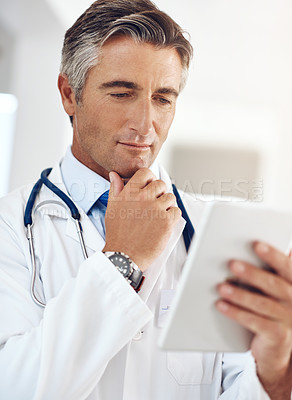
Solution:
(138, 336)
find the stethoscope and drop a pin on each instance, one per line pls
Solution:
(188, 231)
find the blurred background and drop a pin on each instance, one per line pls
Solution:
(232, 134)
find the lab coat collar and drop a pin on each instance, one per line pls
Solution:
(46, 195)
(84, 185)
(47, 201)
(154, 271)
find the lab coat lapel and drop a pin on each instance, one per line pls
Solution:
(95, 241)
(153, 272)
(92, 238)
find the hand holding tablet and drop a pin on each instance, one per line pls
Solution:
(227, 232)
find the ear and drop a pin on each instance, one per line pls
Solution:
(67, 94)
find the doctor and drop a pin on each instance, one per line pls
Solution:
(124, 63)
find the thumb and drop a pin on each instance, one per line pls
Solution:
(117, 184)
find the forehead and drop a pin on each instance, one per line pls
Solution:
(122, 58)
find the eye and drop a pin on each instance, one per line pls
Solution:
(120, 95)
(162, 100)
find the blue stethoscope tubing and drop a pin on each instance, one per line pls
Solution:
(188, 231)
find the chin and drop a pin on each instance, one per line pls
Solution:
(127, 173)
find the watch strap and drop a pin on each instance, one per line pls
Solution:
(136, 278)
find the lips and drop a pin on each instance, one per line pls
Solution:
(137, 146)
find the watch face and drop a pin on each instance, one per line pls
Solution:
(122, 264)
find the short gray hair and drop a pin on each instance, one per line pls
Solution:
(138, 19)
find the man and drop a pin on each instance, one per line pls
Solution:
(124, 64)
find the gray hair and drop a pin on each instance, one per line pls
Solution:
(104, 19)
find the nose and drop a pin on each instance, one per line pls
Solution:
(142, 117)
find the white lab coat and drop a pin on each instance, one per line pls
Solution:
(86, 343)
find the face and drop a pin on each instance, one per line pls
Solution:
(127, 107)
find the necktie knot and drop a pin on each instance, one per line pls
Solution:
(104, 198)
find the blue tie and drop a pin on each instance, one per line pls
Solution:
(104, 198)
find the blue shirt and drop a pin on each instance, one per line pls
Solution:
(86, 186)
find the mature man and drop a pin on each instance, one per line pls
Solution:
(124, 64)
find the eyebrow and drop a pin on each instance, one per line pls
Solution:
(120, 84)
(133, 85)
(167, 90)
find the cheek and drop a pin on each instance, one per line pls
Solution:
(102, 122)
(164, 123)
(111, 118)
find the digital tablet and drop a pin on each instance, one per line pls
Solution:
(226, 232)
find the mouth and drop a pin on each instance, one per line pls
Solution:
(136, 146)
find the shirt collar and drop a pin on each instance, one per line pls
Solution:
(84, 185)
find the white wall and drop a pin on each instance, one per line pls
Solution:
(240, 86)
(8, 109)
(6, 58)
(39, 135)
(238, 94)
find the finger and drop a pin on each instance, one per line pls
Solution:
(258, 304)
(167, 200)
(173, 214)
(116, 186)
(275, 258)
(255, 323)
(268, 282)
(154, 189)
(141, 178)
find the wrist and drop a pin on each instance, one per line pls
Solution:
(277, 384)
(126, 266)
(139, 261)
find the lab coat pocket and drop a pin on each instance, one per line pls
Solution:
(191, 368)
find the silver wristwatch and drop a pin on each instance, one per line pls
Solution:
(127, 268)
